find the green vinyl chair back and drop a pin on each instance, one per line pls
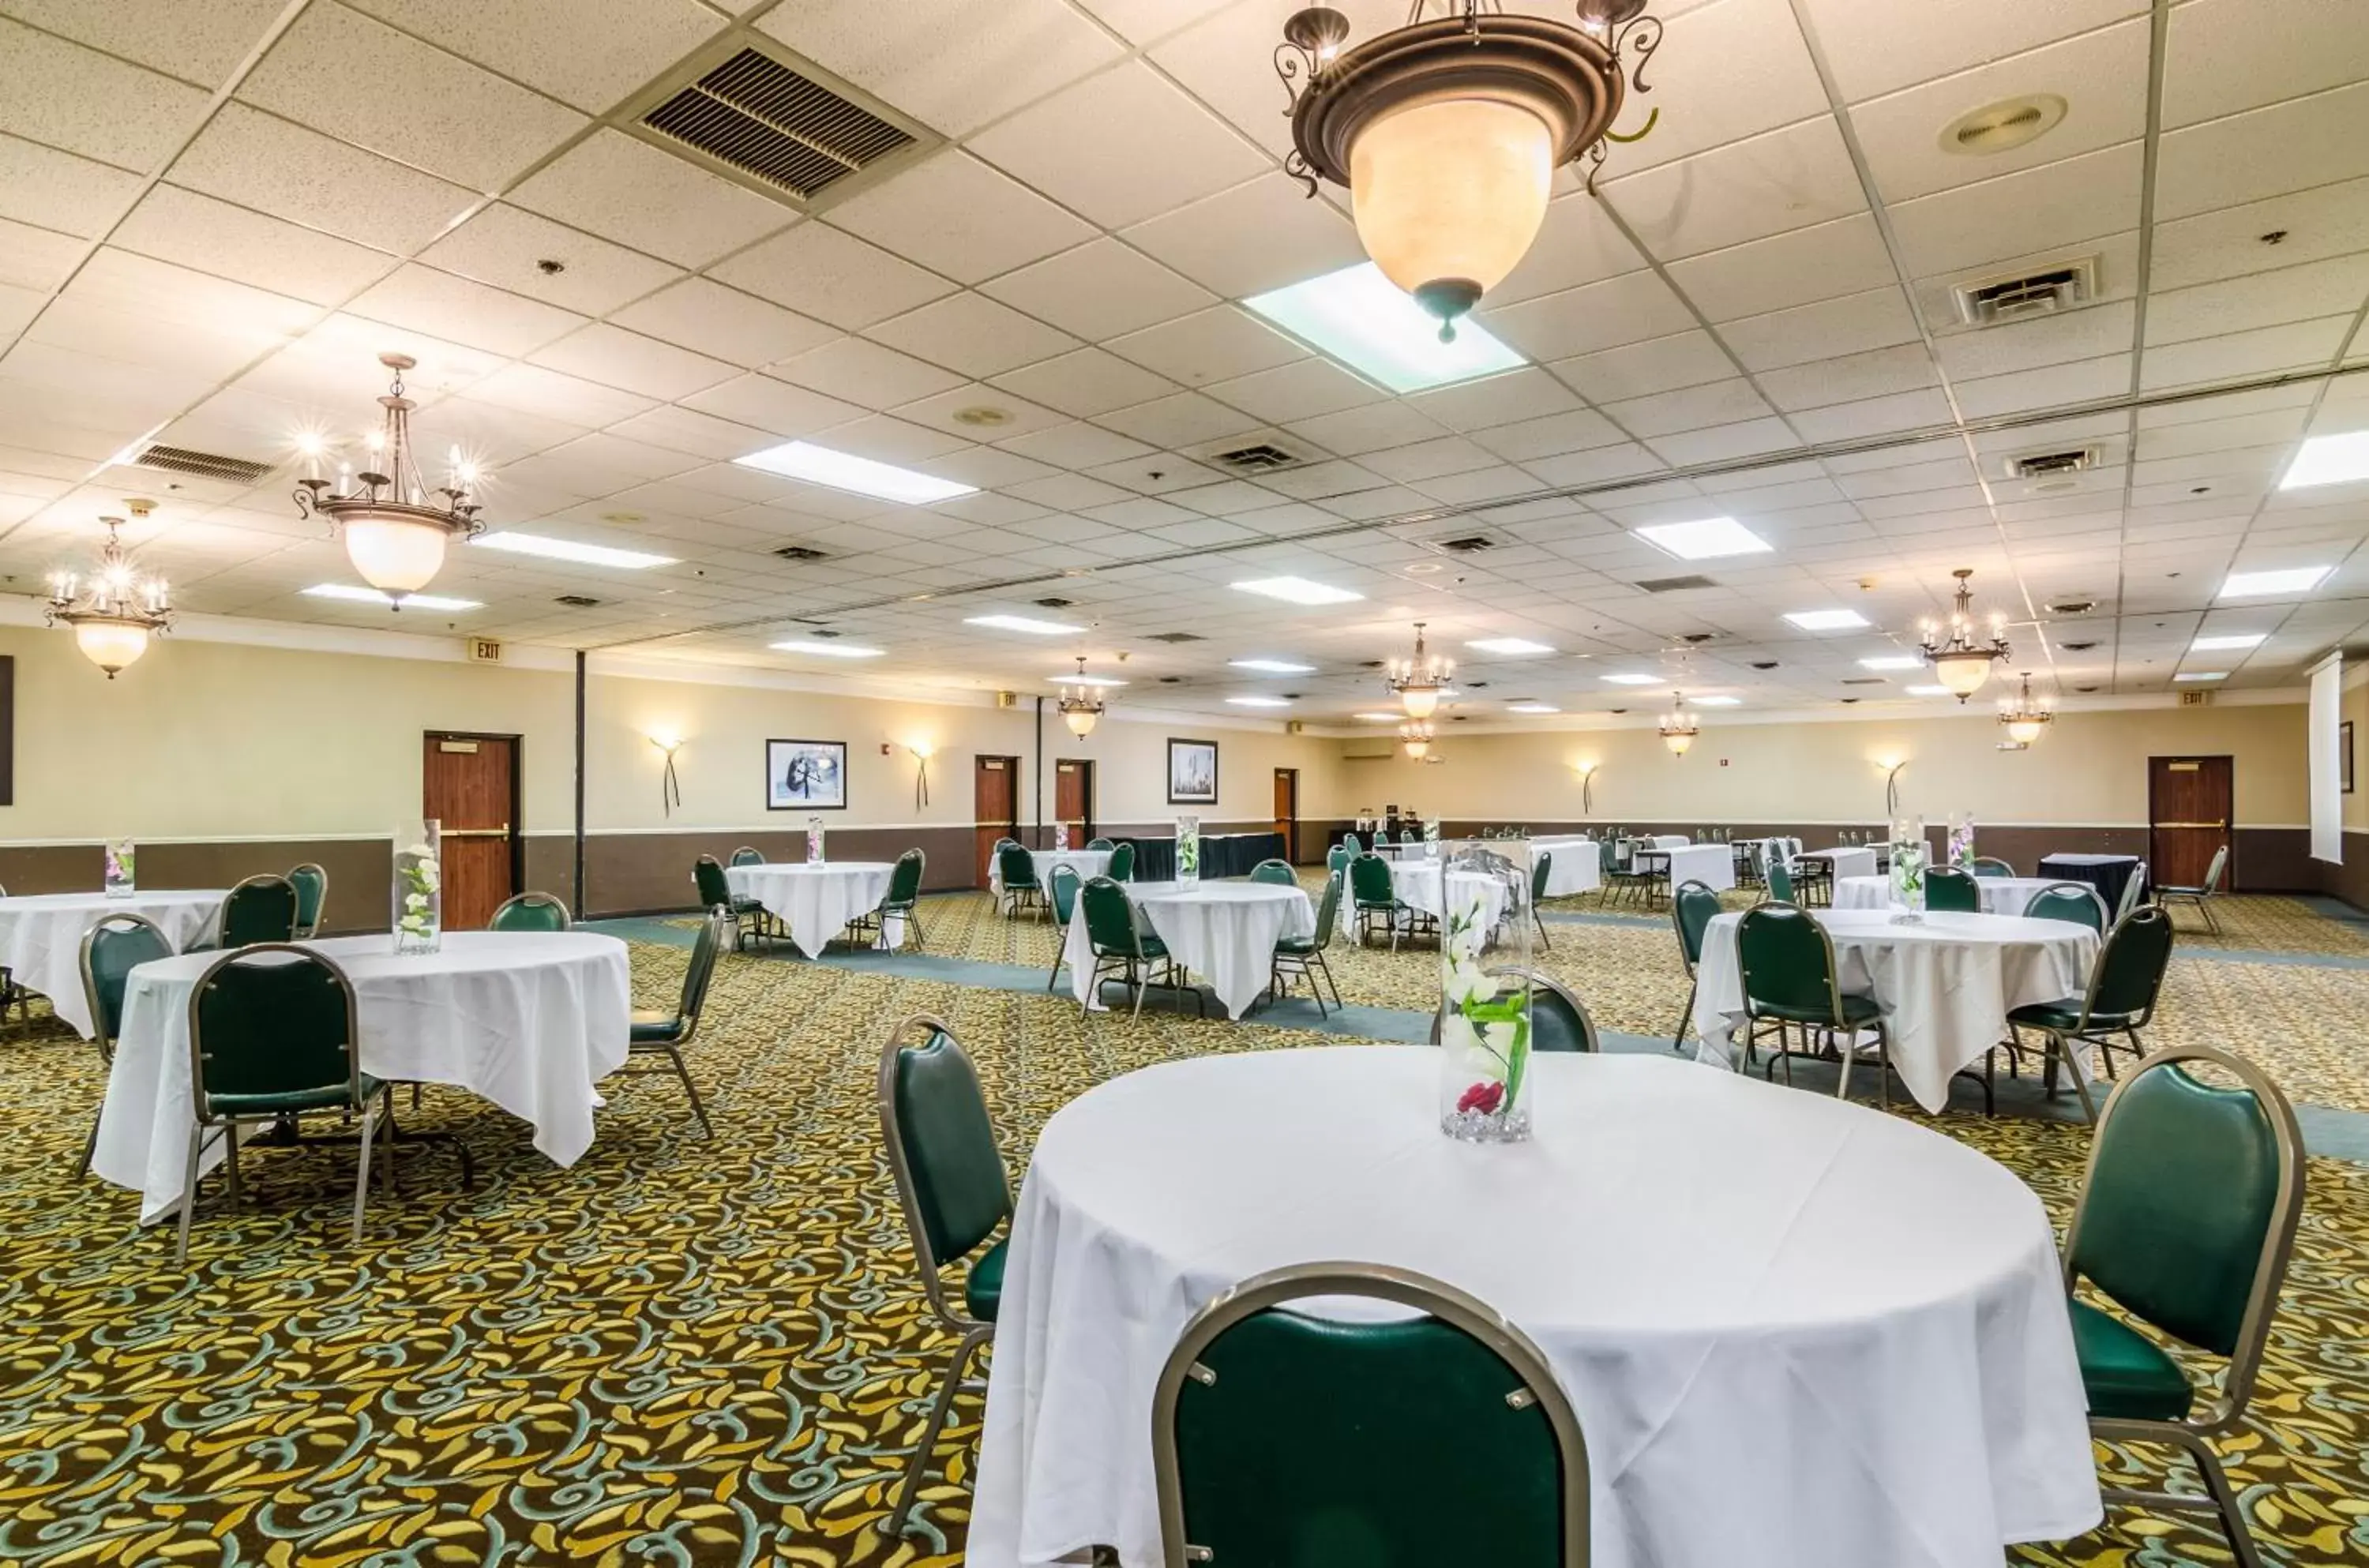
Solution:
(1951, 889)
(1296, 1441)
(530, 912)
(747, 854)
(2133, 891)
(905, 881)
(1370, 882)
(260, 910)
(111, 949)
(1353, 843)
(1787, 962)
(1015, 867)
(1410, 836)
(1559, 1020)
(1335, 858)
(941, 1149)
(2191, 1204)
(312, 885)
(1691, 908)
(713, 890)
(695, 978)
(271, 1029)
(1122, 863)
(2130, 969)
(1776, 875)
(1991, 865)
(2074, 901)
(1100, 844)
(1061, 885)
(2212, 883)
(1276, 872)
(1110, 919)
(1538, 876)
(1328, 909)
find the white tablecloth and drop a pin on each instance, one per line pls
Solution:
(1713, 866)
(1223, 932)
(1778, 1356)
(529, 1020)
(814, 901)
(40, 937)
(1849, 860)
(1999, 895)
(1671, 840)
(1576, 865)
(1417, 885)
(1087, 864)
(1945, 986)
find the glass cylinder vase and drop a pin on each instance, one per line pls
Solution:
(1484, 1003)
(1961, 839)
(1908, 852)
(419, 888)
(122, 880)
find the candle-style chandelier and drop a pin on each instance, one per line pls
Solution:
(2026, 715)
(394, 529)
(1081, 704)
(112, 612)
(1448, 131)
(1961, 658)
(1679, 726)
(1420, 682)
(1415, 735)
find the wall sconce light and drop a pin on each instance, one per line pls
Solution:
(1587, 787)
(923, 751)
(669, 786)
(1891, 785)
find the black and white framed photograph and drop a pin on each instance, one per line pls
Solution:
(805, 776)
(1192, 773)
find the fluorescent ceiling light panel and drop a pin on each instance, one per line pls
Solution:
(571, 549)
(1892, 662)
(2201, 675)
(1714, 702)
(1508, 646)
(1634, 680)
(826, 647)
(2294, 579)
(1531, 708)
(373, 595)
(1297, 590)
(1259, 702)
(1071, 678)
(2235, 639)
(1028, 623)
(1272, 666)
(2329, 460)
(1364, 320)
(1703, 540)
(1381, 719)
(1927, 691)
(846, 471)
(1827, 620)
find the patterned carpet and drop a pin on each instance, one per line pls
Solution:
(684, 1352)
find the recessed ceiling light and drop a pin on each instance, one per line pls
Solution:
(1508, 646)
(571, 549)
(372, 596)
(827, 649)
(1260, 702)
(1634, 680)
(1380, 718)
(2294, 580)
(1421, 569)
(1531, 708)
(2004, 126)
(1892, 662)
(1704, 539)
(2235, 639)
(2329, 460)
(1297, 590)
(1272, 666)
(1927, 691)
(2201, 675)
(1827, 620)
(1714, 702)
(1368, 323)
(1071, 678)
(846, 471)
(1028, 623)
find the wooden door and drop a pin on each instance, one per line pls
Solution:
(1287, 811)
(2189, 815)
(994, 809)
(1073, 797)
(470, 786)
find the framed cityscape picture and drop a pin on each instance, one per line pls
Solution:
(805, 776)
(1192, 773)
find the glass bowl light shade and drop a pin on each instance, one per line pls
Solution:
(1449, 194)
(1420, 701)
(110, 644)
(1963, 673)
(1080, 721)
(396, 555)
(1678, 740)
(2024, 727)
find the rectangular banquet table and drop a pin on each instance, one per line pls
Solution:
(2109, 873)
(1575, 866)
(1713, 866)
(1847, 860)
(1222, 854)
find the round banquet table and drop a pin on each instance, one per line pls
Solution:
(529, 1020)
(815, 899)
(1576, 865)
(1945, 986)
(1223, 932)
(1798, 1334)
(1999, 895)
(1417, 885)
(40, 937)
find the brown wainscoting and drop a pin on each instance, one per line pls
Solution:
(551, 866)
(361, 871)
(650, 873)
(2349, 881)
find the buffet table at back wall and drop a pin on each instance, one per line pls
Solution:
(1222, 854)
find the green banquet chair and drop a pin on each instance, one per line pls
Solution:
(747, 854)
(2200, 897)
(1015, 868)
(1374, 897)
(260, 910)
(1123, 950)
(1539, 868)
(1306, 1442)
(1559, 1020)
(1304, 956)
(312, 885)
(901, 901)
(2186, 1222)
(272, 1038)
(1410, 836)
(2133, 891)
(661, 1033)
(1691, 908)
(1991, 865)
(1276, 872)
(2123, 985)
(111, 949)
(1100, 844)
(716, 893)
(1791, 980)
(2076, 901)
(1776, 874)
(1061, 888)
(1950, 890)
(955, 1193)
(531, 911)
(1337, 859)
(1122, 863)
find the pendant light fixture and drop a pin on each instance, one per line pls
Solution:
(1419, 682)
(1962, 659)
(1415, 735)
(2024, 716)
(1081, 704)
(396, 533)
(112, 613)
(1448, 131)
(1679, 727)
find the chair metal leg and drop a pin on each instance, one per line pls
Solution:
(675, 1056)
(1842, 1080)
(90, 1144)
(230, 1164)
(362, 1165)
(1540, 921)
(1686, 1015)
(2058, 1047)
(2224, 1501)
(188, 1192)
(940, 1408)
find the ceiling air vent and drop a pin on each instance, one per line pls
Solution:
(1673, 585)
(1177, 637)
(799, 552)
(2051, 465)
(2072, 606)
(576, 600)
(1996, 300)
(1864, 681)
(204, 464)
(1698, 637)
(1054, 603)
(1255, 457)
(780, 125)
(1465, 544)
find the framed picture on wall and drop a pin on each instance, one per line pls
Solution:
(2344, 756)
(805, 776)
(1192, 773)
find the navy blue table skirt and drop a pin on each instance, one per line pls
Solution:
(1222, 854)
(2109, 873)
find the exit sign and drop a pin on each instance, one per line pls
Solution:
(485, 650)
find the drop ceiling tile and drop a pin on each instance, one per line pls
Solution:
(1210, 345)
(1718, 444)
(986, 466)
(2053, 206)
(702, 314)
(944, 411)
(685, 430)
(614, 357)
(1184, 420)
(465, 312)
(1302, 390)
(1688, 409)
(884, 438)
(1876, 416)
(2264, 299)
(1503, 399)
(973, 335)
(196, 231)
(776, 406)
(1120, 147)
(2266, 151)
(532, 389)
(1638, 370)
(1010, 53)
(1747, 190)
(2080, 382)
(831, 275)
(1549, 436)
(89, 104)
(1262, 234)
(256, 160)
(59, 191)
(1370, 428)
(2082, 334)
(1429, 460)
(1222, 60)
(1077, 446)
(610, 48)
(37, 260)
(1596, 316)
(1099, 291)
(957, 216)
(415, 103)
(1578, 243)
(625, 190)
(196, 43)
(2221, 59)
(1086, 382)
(506, 247)
(1851, 378)
(1741, 68)
(2300, 345)
(1798, 269)
(856, 370)
(1066, 492)
(2312, 225)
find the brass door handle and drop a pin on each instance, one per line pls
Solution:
(2192, 824)
(501, 832)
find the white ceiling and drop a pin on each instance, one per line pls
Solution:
(213, 217)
